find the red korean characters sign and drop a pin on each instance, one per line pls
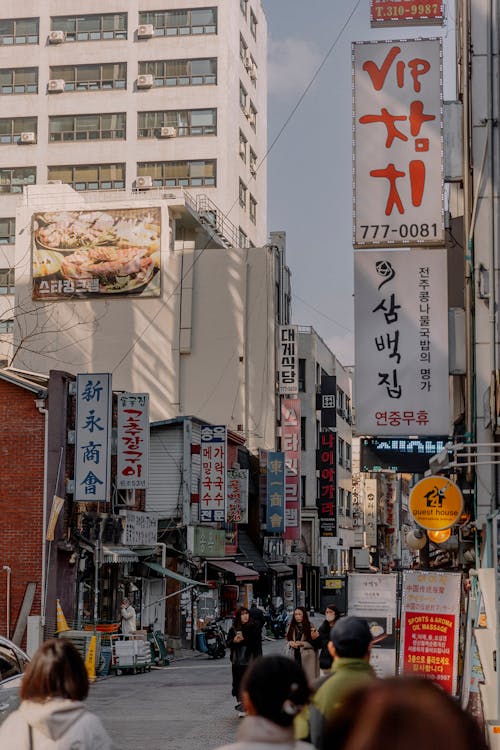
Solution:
(405, 12)
(398, 178)
(133, 441)
(290, 445)
(429, 628)
(213, 473)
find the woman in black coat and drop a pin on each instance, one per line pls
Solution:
(325, 660)
(245, 643)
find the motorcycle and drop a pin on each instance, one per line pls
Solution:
(215, 639)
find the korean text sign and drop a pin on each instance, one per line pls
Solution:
(290, 444)
(401, 342)
(288, 360)
(370, 511)
(397, 133)
(213, 473)
(275, 492)
(140, 528)
(326, 463)
(133, 441)
(429, 626)
(93, 437)
(237, 496)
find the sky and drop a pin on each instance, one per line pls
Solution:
(309, 166)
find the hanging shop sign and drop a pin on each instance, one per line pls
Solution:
(132, 441)
(397, 139)
(290, 443)
(430, 625)
(436, 503)
(369, 488)
(237, 496)
(326, 464)
(401, 455)
(406, 13)
(275, 492)
(288, 360)
(401, 342)
(208, 542)
(93, 437)
(139, 528)
(213, 473)
(326, 402)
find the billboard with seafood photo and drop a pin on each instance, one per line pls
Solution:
(84, 254)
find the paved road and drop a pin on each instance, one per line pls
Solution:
(185, 706)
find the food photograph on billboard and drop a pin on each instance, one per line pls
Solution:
(86, 254)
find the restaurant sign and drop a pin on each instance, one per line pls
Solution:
(93, 437)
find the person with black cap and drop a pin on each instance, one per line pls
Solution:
(349, 646)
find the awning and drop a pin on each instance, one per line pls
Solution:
(115, 553)
(176, 576)
(239, 571)
(251, 553)
(281, 569)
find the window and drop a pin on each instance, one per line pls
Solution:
(12, 179)
(348, 456)
(243, 49)
(98, 77)
(303, 478)
(244, 7)
(341, 452)
(302, 375)
(87, 127)
(253, 162)
(19, 31)
(253, 209)
(12, 127)
(242, 238)
(181, 72)
(348, 504)
(253, 24)
(90, 176)
(303, 434)
(243, 147)
(243, 194)
(7, 326)
(7, 281)
(180, 173)
(342, 500)
(340, 400)
(243, 97)
(187, 122)
(19, 81)
(91, 28)
(7, 231)
(253, 117)
(181, 22)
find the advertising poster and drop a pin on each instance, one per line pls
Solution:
(275, 489)
(373, 597)
(87, 254)
(213, 473)
(401, 342)
(288, 360)
(140, 528)
(398, 169)
(93, 437)
(430, 626)
(132, 441)
(290, 444)
(237, 496)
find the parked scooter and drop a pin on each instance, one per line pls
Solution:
(215, 639)
(277, 622)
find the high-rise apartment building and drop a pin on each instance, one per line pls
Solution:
(127, 95)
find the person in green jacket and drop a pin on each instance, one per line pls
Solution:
(349, 645)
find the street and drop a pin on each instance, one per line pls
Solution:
(185, 706)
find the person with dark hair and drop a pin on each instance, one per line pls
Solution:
(349, 646)
(402, 713)
(258, 617)
(274, 690)
(245, 643)
(303, 641)
(325, 658)
(52, 715)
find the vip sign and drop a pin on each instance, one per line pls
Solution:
(397, 135)
(288, 360)
(401, 342)
(93, 437)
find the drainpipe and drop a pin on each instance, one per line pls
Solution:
(40, 405)
(8, 571)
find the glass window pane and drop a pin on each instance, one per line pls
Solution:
(202, 117)
(88, 23)
(87, 122)
(64, 23)
(88, 73)
(60, 124)
(25, 26)
(6, 26)
(203, 17)
(61, 173)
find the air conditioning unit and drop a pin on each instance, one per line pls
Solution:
(55, 85)
(145, 81)
(248, 62)
(27, 137)
(168, 132)
(145, 31)
(253, 72)
(57, 37)
(143, 182)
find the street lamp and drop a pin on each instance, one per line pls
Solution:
(416, 539)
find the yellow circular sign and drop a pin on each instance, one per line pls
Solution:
(436, 503)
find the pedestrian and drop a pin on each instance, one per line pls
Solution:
(402, 713)
(303, 642)
(274, 690)
(128, 620)
(259, 618)
(245, 643)
(325, 658)
(349, 645)
(52, 715)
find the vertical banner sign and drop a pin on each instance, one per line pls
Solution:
(132, 459)
(290, 443)
(213, 473)
(406, 12)
(374, 597)
(288, 360)
(401, 342)
(328, 402)
(93, 437)
(275, 492)
(370, 511)
(237, 496)
(326, 463)
(397, 133)
(430, 625)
